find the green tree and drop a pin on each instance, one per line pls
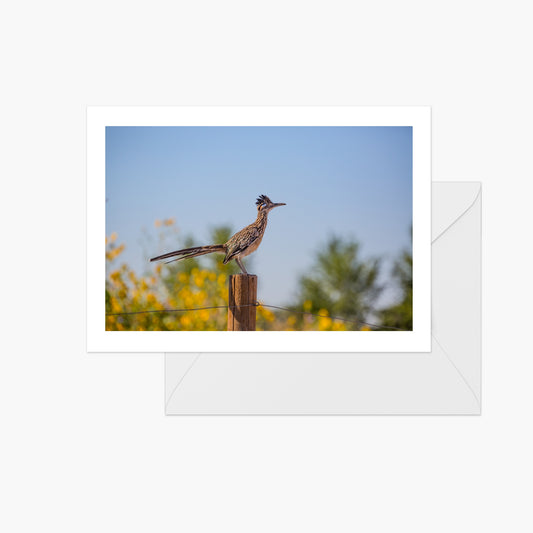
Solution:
(400, 315)
(340, 282)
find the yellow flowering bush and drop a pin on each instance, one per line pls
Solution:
(151, 302)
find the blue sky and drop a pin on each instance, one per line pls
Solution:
(354, 182)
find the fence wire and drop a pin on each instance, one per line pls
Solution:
(256, 304)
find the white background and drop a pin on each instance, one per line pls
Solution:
(85, 445)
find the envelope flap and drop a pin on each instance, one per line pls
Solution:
(450, 200)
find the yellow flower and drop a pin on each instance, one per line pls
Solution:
(150, 299)
(338, 326)
(324, 322)
(267, 314)
(199, 280)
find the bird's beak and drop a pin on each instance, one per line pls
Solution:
(277, 205)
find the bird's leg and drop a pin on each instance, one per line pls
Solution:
(241, 266)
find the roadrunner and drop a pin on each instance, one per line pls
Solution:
(243, 243)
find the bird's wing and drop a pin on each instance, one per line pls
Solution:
(241, 241)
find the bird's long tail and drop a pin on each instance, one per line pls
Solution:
(190, 252)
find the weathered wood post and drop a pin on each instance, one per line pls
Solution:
(242, 299)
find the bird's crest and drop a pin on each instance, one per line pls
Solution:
(263, 200)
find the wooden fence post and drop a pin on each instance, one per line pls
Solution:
(242, 292)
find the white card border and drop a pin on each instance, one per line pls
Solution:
(418, 340)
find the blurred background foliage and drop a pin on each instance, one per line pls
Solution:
(339, 284)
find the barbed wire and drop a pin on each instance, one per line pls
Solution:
(180, 310)
(256, 304)
(357, 322)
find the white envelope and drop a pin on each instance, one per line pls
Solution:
(446, 380)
